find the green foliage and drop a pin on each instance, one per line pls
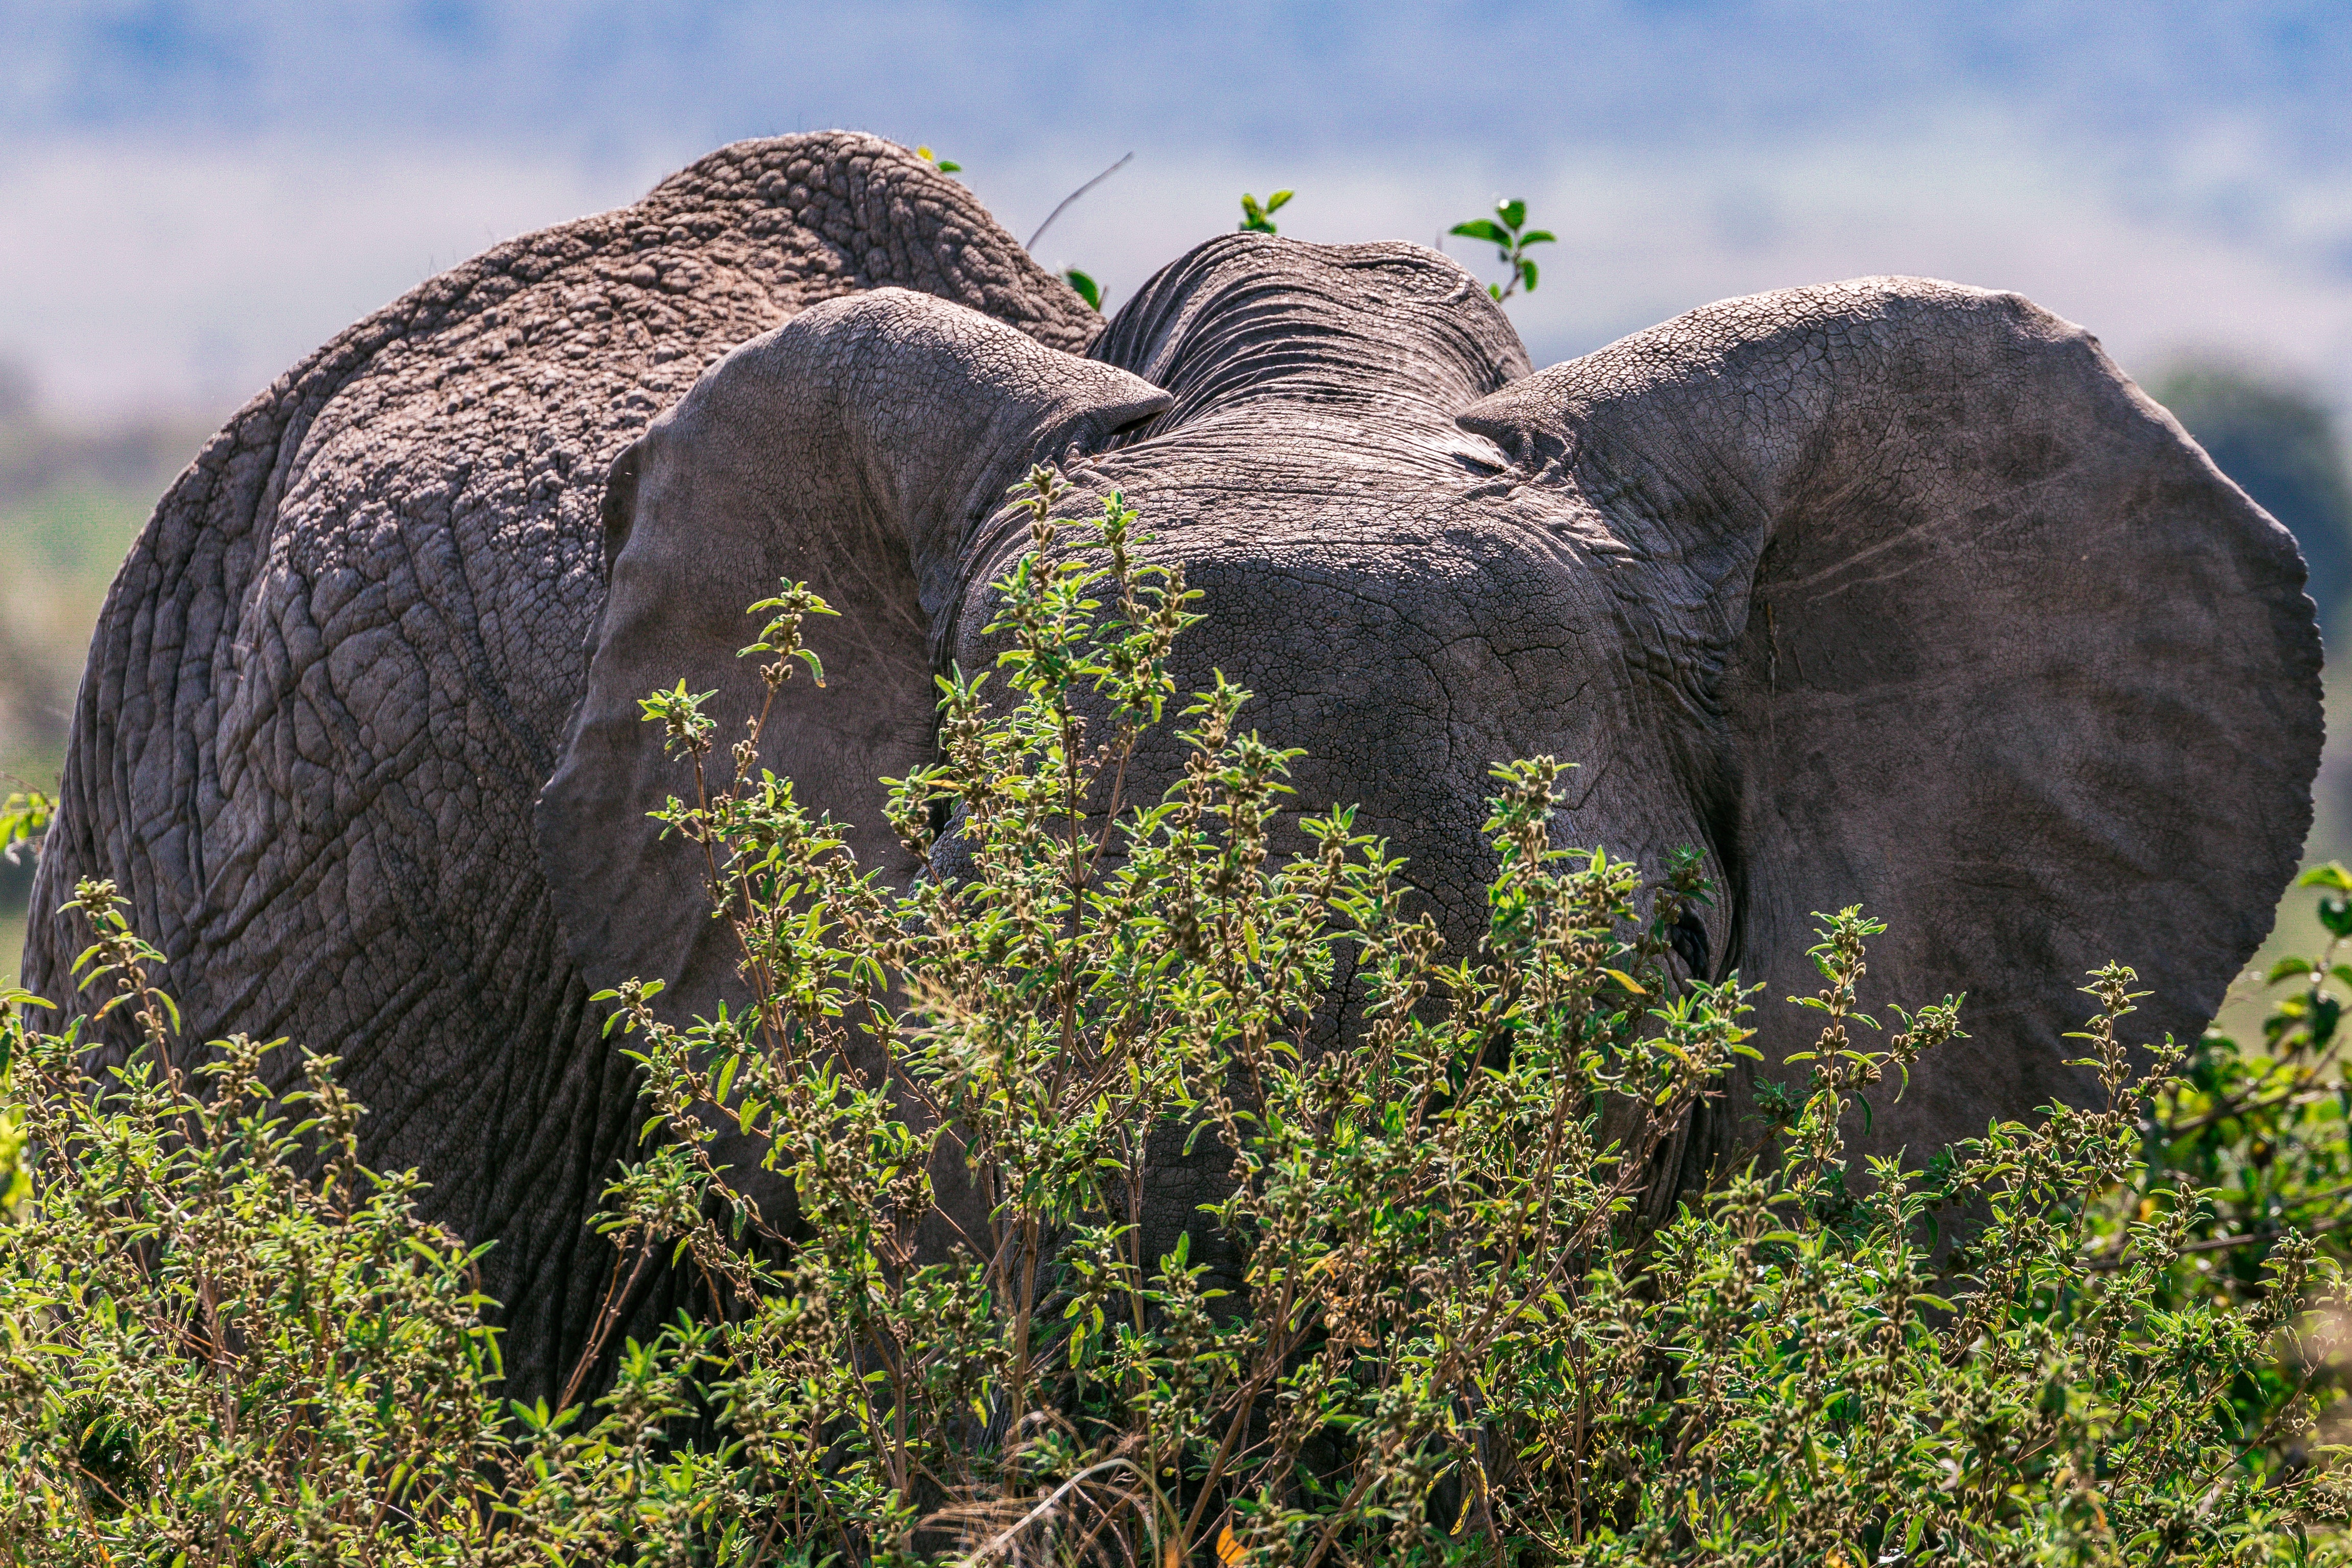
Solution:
(2262, 1134)
(1511, 238)
(225, 1340)
(23, 819)
(944, 165)
(1256, 219)
(1088, 290)
(211, 1349)
(1416, 1317)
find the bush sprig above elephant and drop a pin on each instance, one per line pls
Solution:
(1889, 592)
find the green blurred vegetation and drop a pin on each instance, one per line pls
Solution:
(72, 497)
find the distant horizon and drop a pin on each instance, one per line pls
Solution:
(202, 193)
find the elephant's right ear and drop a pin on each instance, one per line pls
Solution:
(855, 448)
(1962, 628)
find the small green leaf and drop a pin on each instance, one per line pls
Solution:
(2335, 913)
(1512, 213)
(2331, 874)
(1088, 290)
(1481, 228)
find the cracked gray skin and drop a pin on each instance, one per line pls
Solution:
(1889, 592)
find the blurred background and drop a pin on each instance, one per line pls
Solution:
(194, 195)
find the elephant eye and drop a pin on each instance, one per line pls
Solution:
(1690, 941)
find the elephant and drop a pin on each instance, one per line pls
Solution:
(1889, 592)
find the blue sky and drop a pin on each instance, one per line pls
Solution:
(198, 193)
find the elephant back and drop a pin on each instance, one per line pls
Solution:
(336, 667)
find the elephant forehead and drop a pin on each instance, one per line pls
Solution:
(1409, 581)
(1440, 548)
(1433, 626)
(1406, 661)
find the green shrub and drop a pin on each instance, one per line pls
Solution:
(1508, 232)
(1419, 1322)
(2261, 1130)
(211, 1349)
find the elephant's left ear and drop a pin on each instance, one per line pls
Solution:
(1977, 639)
(855, 449)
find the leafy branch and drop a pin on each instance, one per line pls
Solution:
(1259, 220)
(1511, 238)
(23, 819)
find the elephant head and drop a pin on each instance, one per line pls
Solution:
(1890, 592)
